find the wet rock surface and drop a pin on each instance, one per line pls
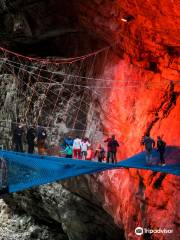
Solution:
(78, 216)
(19, 225)
(143, 60)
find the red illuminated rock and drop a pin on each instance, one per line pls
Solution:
(143, 60)
(140, 99)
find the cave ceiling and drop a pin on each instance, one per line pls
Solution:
(34, 23)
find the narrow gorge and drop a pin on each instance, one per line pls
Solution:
(119, 74)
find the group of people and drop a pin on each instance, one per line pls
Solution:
(75, 148)
(149, 144)
(78, 148)
(34, 136)
(81, 149)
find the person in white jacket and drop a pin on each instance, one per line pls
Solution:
(84, 147)
(77, 148)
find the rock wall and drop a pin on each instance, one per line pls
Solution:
(135, 198)
(139, 93)
(79, 217)
(42, 94)
(18, 225)
(138, 101)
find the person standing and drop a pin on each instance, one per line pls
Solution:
(149, 144)
(77, 148)
(89, 154)
(17, 138)
(68, 151)
(112, 145)
(99, 153)
(68, 141)
(31, 135)
(41, 139)
(84, 148)
(161, 147)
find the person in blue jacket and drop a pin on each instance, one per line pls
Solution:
(68, 141)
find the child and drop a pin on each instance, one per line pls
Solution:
(84, 148)
(100, 153)
(89, 154)
(68, 151)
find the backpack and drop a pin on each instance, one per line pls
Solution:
(142, 141)
(102, 153)
(148, 142)
(31, 134)
(18, 132)
(42, 133)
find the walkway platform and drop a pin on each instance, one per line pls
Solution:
(29, 170)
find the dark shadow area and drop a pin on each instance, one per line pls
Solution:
(172, 155)
(157, 184)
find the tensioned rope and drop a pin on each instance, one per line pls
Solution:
(4, 60)
(78, 85)
(22, 67)
(48, 127)
(79, 109)
(127, 85)
(66, 83)
(59, 60)
(83, 125)
(34, 91)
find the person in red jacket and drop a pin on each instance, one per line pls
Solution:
(89, 154)
(112, 145)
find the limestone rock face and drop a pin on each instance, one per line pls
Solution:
(21, 226)
(77, 216)
(140, 94)
(135, 198)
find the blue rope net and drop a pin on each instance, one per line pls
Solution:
(25, 170)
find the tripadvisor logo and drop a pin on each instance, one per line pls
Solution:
(139, 231)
